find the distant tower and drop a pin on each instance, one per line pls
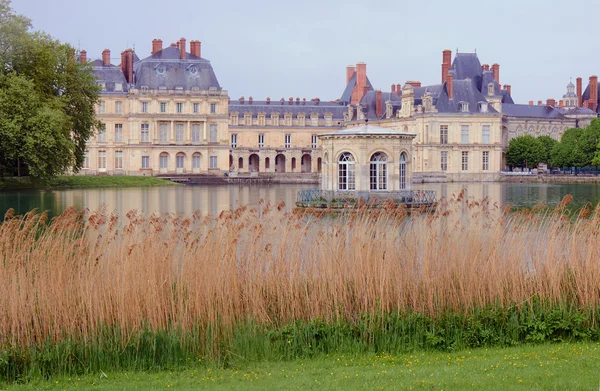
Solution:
(570, 98)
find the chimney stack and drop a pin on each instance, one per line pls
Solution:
(508, 89)
(268, 100)
(446, 60)
(242, 100)
(349, 73)
(496, 69)
(378, 103)
(579, 92)
(195, 48)
(486, 67)
(393, 88)
(156, 45)
(398, 89)
(450, 85)
(83, 57)
(594, 92)
(561, 103)
(250, 100)
(539, 102)
(106, 57)
(413, 83)
(550, 102)
(530, 103)
(361, 74)
(182, 48)
(128, 66)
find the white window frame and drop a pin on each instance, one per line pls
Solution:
(346, 172)
(118, 133)
(145, 162)
(288, 140)
(86, 159)
(261, 140)
(464, 134)
(402, 166)
(444, 160)
(196, 107)
(118, 160)
(145, 133)
(102, 160)
(234, 140)
(179, 161)
(119, 107)
(179, 132)
(144, 107)
(213, 108)
(485, 134)
(214, 133)
(179, 107)
(163, 132)
(443, 134)
(313, 140)
(213, 162)
(163, 107)
(101, 107)
(378, 172)
(163, 162)
(465, 160)
(102, 133)
(485, 160)
(196, 161)
(195, 133)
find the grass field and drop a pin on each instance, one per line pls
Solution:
(77, 181)
(562, 366)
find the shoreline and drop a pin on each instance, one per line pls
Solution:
(66, 182)
(550, 179)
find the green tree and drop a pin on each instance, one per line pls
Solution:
(588, 144)
(524, 151)
(47, 101)
(567, 153)
(548, 144)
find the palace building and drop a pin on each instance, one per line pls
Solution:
(167, 114)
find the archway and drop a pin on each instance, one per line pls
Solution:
(293, 164)
(241, 163)
(267, 163)
(253, 163)
(403, 171)
(319, 164)
(280, 163)
(180, 162)
(305, 163)
(163, 161)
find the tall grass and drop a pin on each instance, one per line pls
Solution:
(92, 291)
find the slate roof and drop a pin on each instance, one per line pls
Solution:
(467, 65)
(463, 91)
(109, 75)
(576, 111)
(308, 107)
(529, 111)
(367, 130)
(185, 73)
(586, 95)
(347, 95)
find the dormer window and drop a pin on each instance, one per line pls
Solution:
(118, 86)
(160, 70)
(102, 85)
(483, 107)
(193, 70)
(463, 107)
(491, 90)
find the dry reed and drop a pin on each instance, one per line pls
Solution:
(88, 270)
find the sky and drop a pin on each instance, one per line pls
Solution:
(301, 48)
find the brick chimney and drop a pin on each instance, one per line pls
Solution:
(349, 73)
(250, 100)
(268, 100)
(378, 103)
(594, 92)
(361, 87)
(398, 89)
(414, 83)
(291, 101)
(182, 48)
(156, 45)
(530, 103)
(496, 70)
(195, 48)
(539, 102)
(124, 63)
(106, 57)
(579, 92)
(393, 88)
(561, 103)
(450, 85)
(128, 68)
(550, 102)
(242, 100)
(446, 62)
(83, 57)
(508, 89)
(486, 67)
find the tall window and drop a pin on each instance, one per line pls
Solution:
(102, 159)
(102, 133)
(314, 141)
(486, 160)
(163, 107)
(119, 107)
(213, 108)
(314, 121)
(145, 161)
(465, 161)
(346, 177)
(378, 171)
(443, 134)
(179, 159)
(213, 133)
(288, 140)
(196, 160)
(234, 140)
(144, 107)
(196, 107)
(196, 133)
(118, 160)
(101, 107)
(485, 134)
(145, 133)
(444, 161)
(179, 133)
(403, 171)
(464, 134)
(261, 140)
(328, 121)
(164, 161)
(163, 133)
(180, 107)
(86, 160)
(213, 162)
(118, 133)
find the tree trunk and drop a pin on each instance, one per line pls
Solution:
(18, 167)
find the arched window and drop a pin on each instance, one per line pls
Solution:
(378, 171)
(180, 159)
(346, 178)
(519, 130)
(164, 161)
(403, 171)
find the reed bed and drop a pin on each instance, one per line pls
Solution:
(91, 290)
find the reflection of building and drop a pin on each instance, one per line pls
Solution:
(167, 114)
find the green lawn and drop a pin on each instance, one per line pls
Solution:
(561, 366)
(76, 181)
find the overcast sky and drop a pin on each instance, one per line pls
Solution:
(300, 48)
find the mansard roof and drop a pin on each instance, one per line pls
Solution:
(308, 107)
(586, 95)
(347, 95)
(531, 111)
(467, 65)
(109, 75)
(164, 69)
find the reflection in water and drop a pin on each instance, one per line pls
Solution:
(185, 200)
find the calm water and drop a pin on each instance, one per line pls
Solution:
(184, 200)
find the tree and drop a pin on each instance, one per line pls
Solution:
(47, 101)
(524, 151)
(588, 144)
(548, 144)
(567, 153)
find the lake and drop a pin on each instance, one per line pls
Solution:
(184, 200)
